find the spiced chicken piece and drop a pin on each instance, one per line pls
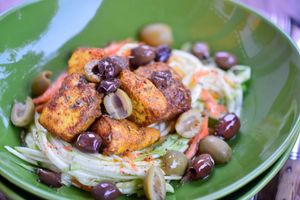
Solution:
(169, 83)
(82, 56)
(72, 109)
(149, 104)
(120, 136)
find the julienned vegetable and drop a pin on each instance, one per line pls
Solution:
(157, 107)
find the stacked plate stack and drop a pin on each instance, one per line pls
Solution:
(39, 35)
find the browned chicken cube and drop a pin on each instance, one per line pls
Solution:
(169, 83)
(149, 104)
(72, 109)
(82, 56)
(120, 136)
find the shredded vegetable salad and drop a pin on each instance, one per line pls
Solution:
(214, 92)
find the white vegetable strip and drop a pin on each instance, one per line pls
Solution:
(51, 153)
(33, 154)
(226, 83)
(132, 187)
(16, 153)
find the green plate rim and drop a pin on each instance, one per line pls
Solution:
(275, 169)
(221, 193)
(8, 192)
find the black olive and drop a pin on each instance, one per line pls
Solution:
(105, 191)
(120, 62)
(161, 79)
(50, 178)
(200, 168)
(227, 126)
(225, 60)
(99, 69)
(108, 68)
(200, 50)
(141, 55)
(108, 85)
(3, 197)
(88, 142)
(95, 69)
(162, 53)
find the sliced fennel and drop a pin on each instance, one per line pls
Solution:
(90, 169)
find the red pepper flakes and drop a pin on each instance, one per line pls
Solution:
(68, 148)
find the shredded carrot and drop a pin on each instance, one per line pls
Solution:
(114, 47)
(194, 142)
(39, 108)
(46, 96)
(68, 148)
(148, 158)
(131, 164)
(229, 81)
(179, 71)
(215, 110)
(198, 75)
(80, 185)
(130, 155)
(122, 170)
(127, 53)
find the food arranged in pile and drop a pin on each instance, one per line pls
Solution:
(131, 117)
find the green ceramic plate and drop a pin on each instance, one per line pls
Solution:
(8, 192)
(252, 188)
(42, 35)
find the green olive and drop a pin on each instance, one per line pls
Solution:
(217, 148)
(155, 184)
(174, 163)
(156, 34)
(41, 83)
(118, 105)
(22, 114)
(189, 123)
(90, 73)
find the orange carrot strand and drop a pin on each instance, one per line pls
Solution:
(114, 47)
(215, 110)
(39, 108)
(194, 142)
(46, 96)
